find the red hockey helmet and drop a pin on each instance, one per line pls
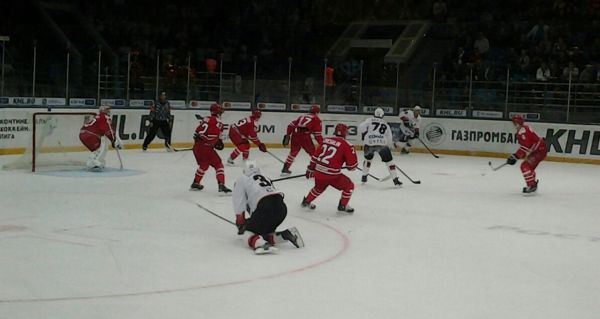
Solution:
(518, 119)
(315, 109)
(341, 130)
(216, 109)
(256, 114)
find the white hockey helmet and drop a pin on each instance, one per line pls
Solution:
(379, 113)
(104, 109)
(417, 108)
(251, 168)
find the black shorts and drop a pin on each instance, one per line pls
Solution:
(384, 152)
(401, 137)
(269, 214)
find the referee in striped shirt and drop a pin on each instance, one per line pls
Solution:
(160, 117)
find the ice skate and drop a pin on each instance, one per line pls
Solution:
(293, 236)
(266, 248)
(285, 171)
(397, 182)
(306, 204)
(345, 209)
(224, 189)
(530, 189)
(230, 162)
(196, 187)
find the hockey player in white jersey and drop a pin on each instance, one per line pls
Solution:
(257, 195)
(409, 128)
(377, 138)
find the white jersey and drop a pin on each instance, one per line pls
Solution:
(375, 132)
(415, 122)
(249, 190)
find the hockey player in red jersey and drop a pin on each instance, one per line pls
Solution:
(299, 132)
(533, 150)
(326, 166)
(207, 138)
(91, 134)
(242, 133)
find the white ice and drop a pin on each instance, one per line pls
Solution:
(464, 244)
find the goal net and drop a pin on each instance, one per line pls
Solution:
(54, 143)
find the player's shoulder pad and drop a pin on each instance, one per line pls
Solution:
(522, 130)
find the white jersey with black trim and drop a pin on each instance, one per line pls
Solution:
(249, 190)
(414, 122)
(375, 132)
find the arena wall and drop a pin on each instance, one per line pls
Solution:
(494, 138)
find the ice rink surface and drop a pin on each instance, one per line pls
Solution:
(464, 244)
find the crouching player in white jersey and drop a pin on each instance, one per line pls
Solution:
(409, 128)
(377, 138)
(257, 194)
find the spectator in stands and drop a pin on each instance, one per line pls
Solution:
(482, 44)
(543, 73)
(538, 32)
(587, 75)
(524, 62)
(439, 11)
(559, 47)
(572, 70)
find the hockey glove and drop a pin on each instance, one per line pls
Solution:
(262, 147)
(286, 140)
(219, 145)
(118, 144)
(309, 173)
(416, 133)
(240, 222)
(512, 160)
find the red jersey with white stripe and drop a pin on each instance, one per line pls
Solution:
(247, 128)
(307, 124)
(209, 131)
(332, 154)
(529, 141)
(100, 126)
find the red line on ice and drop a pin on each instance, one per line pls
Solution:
(341, 251)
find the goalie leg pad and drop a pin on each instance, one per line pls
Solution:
(97, 157)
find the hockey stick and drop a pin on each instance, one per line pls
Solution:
(277, 158)
(181, 149)
(372, 176)
(408, 177)
(215, 214)
(498, 167)
(116, 149)
(287, 177)
(427, 147)
(119, 157)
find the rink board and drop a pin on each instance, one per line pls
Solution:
(491, 138)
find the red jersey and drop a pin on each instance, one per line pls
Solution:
(307, 124)
(247, 128)
(100, 126)
(331, 156)
(529, 141)
(208, 131)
